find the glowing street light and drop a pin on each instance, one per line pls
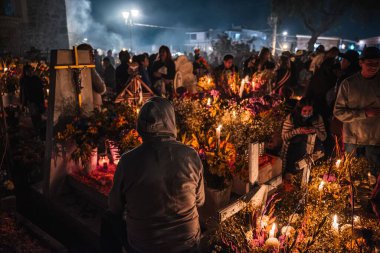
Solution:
(135, 13)
(284, 33)
(125, 15)
(128, 17)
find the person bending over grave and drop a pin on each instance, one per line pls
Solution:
(159, 186)
(296, 128)
(98, 86)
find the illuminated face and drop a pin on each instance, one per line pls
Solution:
(307, 111)
(228, 64)
(370, 67)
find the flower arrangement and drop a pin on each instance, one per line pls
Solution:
(324, 216)
(206, 83)
(111, 123)
(218, 157)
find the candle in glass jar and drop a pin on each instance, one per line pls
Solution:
(272, 231)
(103, 161)
(337, 163)
(321, 185)
(209, 102)
(335, 224)
(218, 131)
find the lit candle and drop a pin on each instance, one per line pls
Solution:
(209, 102)
(335, 224)
(137, 110)
(241, 88)
(103, 161)
(272, 231)
(320, 188)
(234, 114)
(371, 179)
(356, 220)
(47, 92)
(337, 164)
(218, 131)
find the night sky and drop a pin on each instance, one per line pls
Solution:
(202, 15)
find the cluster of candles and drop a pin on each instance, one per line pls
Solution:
(272, 241)
(288, 231)
(322, 184)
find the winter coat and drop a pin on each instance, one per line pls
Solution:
(122, 76)
(355, 94)
(98, 88)
(159, 185)
(109, 77)
(170, 70)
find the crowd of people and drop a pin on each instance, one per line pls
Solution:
(348, 115)
(334, 95)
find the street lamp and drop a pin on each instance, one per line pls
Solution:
(284, 33)
(128, 17)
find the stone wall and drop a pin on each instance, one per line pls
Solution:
(42, 26)
(46, 26)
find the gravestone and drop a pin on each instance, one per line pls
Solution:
(70, 83)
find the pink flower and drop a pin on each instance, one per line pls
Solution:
(329, 178)
(215, 93)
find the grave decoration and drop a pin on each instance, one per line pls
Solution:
(333, 214)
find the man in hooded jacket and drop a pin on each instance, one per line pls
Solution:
(159, 185)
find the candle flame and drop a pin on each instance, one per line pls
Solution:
(273, 228)
(320, 188)
(338, 163)
(234, 114)
(335, 224)
(209, 101)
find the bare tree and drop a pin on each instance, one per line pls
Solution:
(319, 16)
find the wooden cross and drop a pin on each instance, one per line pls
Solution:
(77, 68)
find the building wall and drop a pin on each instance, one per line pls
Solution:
(40, 24)
(328, 42)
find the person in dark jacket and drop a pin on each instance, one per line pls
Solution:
(159, 185)
(349, 66)
(284, 75)
(109, 75)
(33, 95)
(143, 61)
(227, 70)
(121, 74)
(323, 80)
(163, 73)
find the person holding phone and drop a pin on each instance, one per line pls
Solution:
(296, 128)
